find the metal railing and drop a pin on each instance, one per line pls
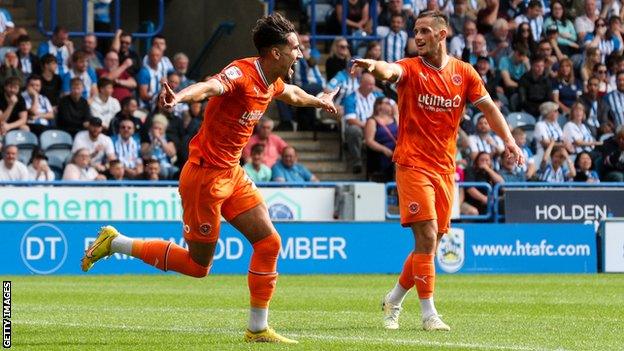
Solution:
(53, 20)
(500, 186)
(482, 217)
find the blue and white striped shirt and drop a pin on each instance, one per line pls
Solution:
(61, 54)
(88, 78)
(549, 174)
(347, 84)
(360, 107)
(44, 107)
(615, 99)
(151, 78)
(127, 150)
(392, 45)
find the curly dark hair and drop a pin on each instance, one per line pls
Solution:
(270, 31)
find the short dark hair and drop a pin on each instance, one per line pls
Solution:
(157, 36)
(79, 55)
(126, 101)
(103, 82)
(34, 77)
(75, 80)
(22, 39)
(438, 16)
(47, 59)
(59, 29)
(271, 30)
(257, 149)
(534, 3)
(114, 162)
(13, 80)
(537, 58)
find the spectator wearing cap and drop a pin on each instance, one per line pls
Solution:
(80, 168)
(99, 146)
(13, 113)
(40, 111)
(156, 146)
(288, 170)
(127, 148)
(558, 22)
(104, 105)
(80, 69)
(38, 168)
(256, 169)
(124, 83)
(547, 129)
(51, 82)
(533, 16)
(534, 87)
(10, 167)
(73, 109)
(273, 144)
(28, 62)
(60, 47)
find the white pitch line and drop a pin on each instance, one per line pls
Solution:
(223, 331)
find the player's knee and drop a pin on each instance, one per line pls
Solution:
(269, 246)
(197, 270)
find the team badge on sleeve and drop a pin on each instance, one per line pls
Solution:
(233, 72)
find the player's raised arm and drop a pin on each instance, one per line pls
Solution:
(382, 70)
(293, 95)
(194, 92)
(499, 126)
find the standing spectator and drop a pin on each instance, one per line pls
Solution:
(615, 100)
(534, 18)
(339, 57)
(28, 62)
(598, 109)
(60, 47)
(116, 171)
(380, 134)
(553, 167)
(129, 106)
(566, 89)
(481, 171)
(152, 170)
(548, 130)
(576, 134)
(567, 38)
(124, 83)
(122, 44)
(498, 43)
(89, 47)
(51, 82)
(80, 69)
(256, 169)
(288, 170)
(11, 168)
(585, 169)
(164, 64)
(10, 68)
(127, 148)
(273, 144)
(99, 146)
(461, 40)
(393, 39)
(180, 64)
(156, 146)
(585, 24)
(40, 111)
(104, 106)
(80, 168)
(487, 15)
(150, 78)
(534, 87)
(13, 113)
(603, 39)
(613, 156)
(38, 168)
(358, 107)
(373, 50)
(73, 109)
(485, 141)
(528, 167)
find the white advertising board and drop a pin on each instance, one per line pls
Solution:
(613, 246)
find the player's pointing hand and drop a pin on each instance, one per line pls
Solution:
(167, 98)
(327, 101)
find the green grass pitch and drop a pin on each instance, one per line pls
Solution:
(327, 312)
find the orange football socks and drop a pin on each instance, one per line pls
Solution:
(262, 275)
(423, 270)
(165, 255)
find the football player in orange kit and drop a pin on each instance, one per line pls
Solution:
(213, 184)
(433, 90)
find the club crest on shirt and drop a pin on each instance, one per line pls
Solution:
(233, 72)
(413, 207)
(456, 79)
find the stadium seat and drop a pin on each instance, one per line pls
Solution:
(55, 139)
(522, 120)
(56, 165)
(25, 141)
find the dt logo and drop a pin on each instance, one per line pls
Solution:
(43, 248)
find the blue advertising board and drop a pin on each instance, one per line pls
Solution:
(315, 248)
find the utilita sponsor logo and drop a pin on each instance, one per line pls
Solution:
(438, 103)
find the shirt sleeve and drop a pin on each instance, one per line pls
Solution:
(475, 87)
(279, 87)
(231, 78)
(143, 77)
(305, 173)
(405, 69)
(349, 107)
(92, 75)
(276, 172)
(472, 143)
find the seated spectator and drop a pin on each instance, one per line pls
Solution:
(533, 17)
(485, 141)
(373, 50)
(156, 146)
(10, 167)
(40, 111)
(553, 166)
(598, 109)
(104, 106)
(393, 39)
(534, 87)
(497, 41)
(273, 144)
(13, 113)
(613, 156)
(358, 107)
(256, 169)
(552, 55)
(149, 79)
(73, 111)
(99, 146)
(89, 46)
(566, 89)
(585, 23)
(122, 44)
(476, 49)
(339, 57)
(346, 81)
(510, 171)
(164, 64)
(10, 68)
(129, 107)
(585, 169)
(576, 134)
(152, 170)
(528, 167)
(567, 38)
(60, 47)
(380, 135)
(602, 73)
(51, 82)
(590, 59)
(606, 41)
(464, 208)
(288, 170)
(180, 65)
(81, 70)
(124, 83)
(127, 148)
(512, 69)
(28, 62)
(463, 39)
(523, 37)
(38, 168)
(173, 79)
(548, 129)
(614, 99)
(80, 168)
(460, 15)
(481, 171)
(116, 171)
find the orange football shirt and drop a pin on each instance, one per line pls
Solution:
(431, 105)
(230, 118)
